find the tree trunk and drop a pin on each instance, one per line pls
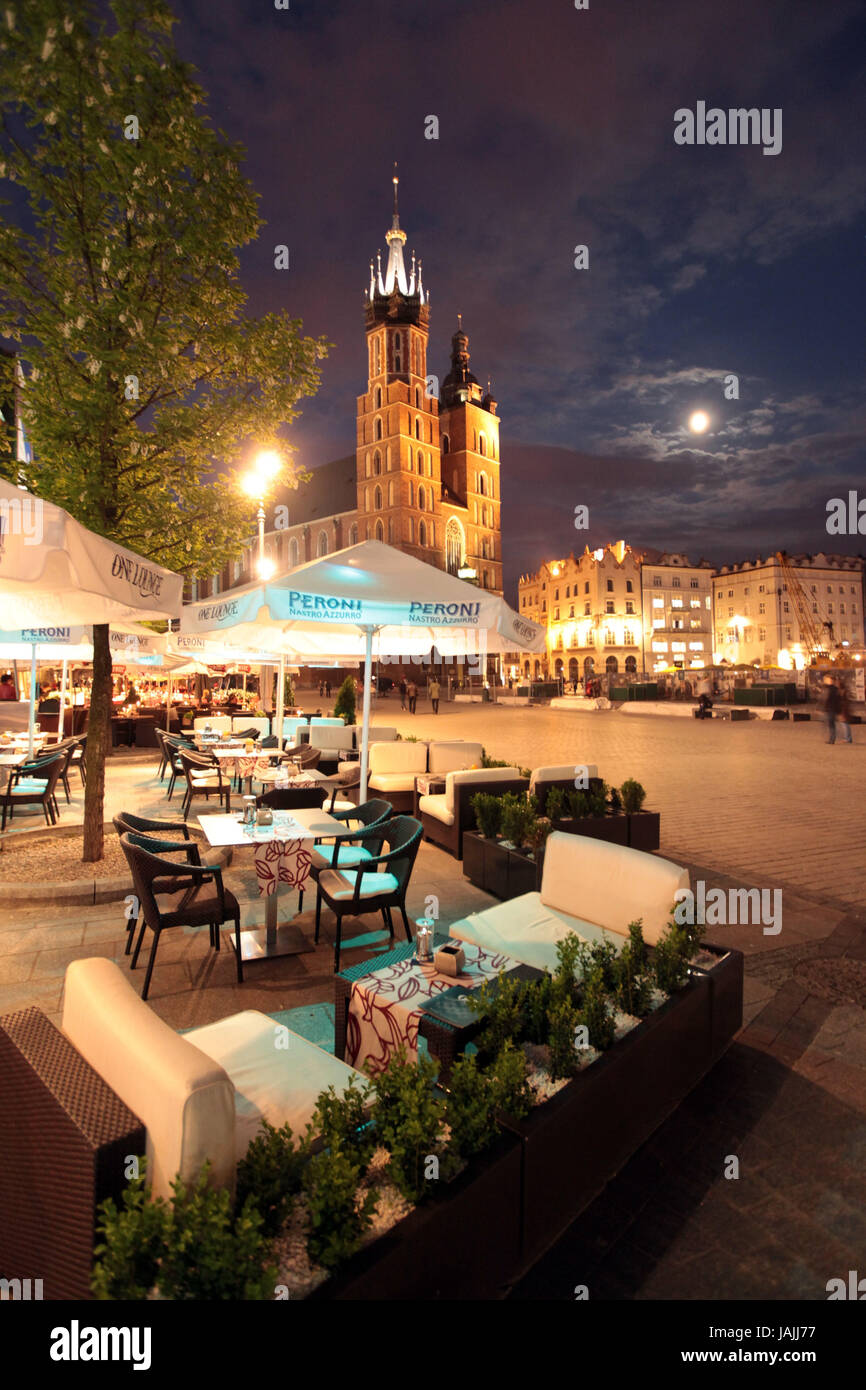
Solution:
(98, 736)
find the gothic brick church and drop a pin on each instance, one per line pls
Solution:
(425, 473)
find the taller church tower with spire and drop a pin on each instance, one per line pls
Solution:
(427, 460)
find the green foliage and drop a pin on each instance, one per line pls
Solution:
(535, 1004)
(525, 772)
(672, 954)
(129, 1246)
(340, 1122)
(595, 1011)
(191, 1248)
(601, 956)
(488, 812)
(589, 801)
(288, 692)
(337, 1220)
(555, 805)
(512, 1094)
(633, 796)
(570, 952)
(345, 705)
(633, 987)
(639, 949)
(269, 1174)
(614, 802)
(501, 1002)
(519, 817)
(562, 1020)
(408, 1118)
(470, 1108)
(492, 762)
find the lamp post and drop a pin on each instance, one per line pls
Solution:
(256, 484)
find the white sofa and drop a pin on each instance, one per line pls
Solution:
(251, 721)
(332, 739)
(379, 733)
(445, 815)
(202, 1095)
(291, 725)
(589, 887)
(560, 772)
(453, 756)
(220, 723)
(393, 768)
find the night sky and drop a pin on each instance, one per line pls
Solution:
(556, 128)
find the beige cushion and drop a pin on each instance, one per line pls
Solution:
(184, 1099)
(342, 884)
(379, 733)
(277, 1083)
(451, 757)
(525, 929)
(251, 721)
(437, 806)
(609, 884)
(392, 782)
(560, 773)
(481, 775)
(331, 736)
(408, 758)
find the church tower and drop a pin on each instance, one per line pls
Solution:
(469, 434)
(397, 449)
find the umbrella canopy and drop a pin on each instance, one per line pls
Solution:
(334, 605)
(54, 571)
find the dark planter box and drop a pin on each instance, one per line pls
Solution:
(614, 829)
(726, 989)
(490, 865)
(463, 1244)
(577, 1142)
(644, 830)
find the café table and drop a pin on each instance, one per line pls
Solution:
(387, 1003)
(281, 854)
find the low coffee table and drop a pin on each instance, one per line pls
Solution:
(386, 1003)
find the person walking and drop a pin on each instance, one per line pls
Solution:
(412, 696)
(328, 689)
(434, 690)
(831, 703)
(845, 712)
(402, 692)
(7, 687)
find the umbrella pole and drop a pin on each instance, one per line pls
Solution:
(365, 726)
(60, 716)
(281, 688)
(31, 725)
(168, 705)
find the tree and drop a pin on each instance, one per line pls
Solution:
(345, 705)
(119, 278)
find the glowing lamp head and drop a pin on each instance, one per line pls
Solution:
(699, 421)
(252, 484)
(268, 464)
(265, 568)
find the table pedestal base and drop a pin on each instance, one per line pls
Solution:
(264, 943)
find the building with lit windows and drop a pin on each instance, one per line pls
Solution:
(424, 476)
(677, 602)
(591, 607)
(769, 613)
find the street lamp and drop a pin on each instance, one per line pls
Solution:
(265, 470)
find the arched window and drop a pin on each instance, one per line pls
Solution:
(398, 352)
(377, 432)
(417, 429)
(410, 458)
(378, 398)
(388, 458)
(611, 664)
(367, 466)
(482, 444)
(366, 499)
(631, 664)
(391, 493)
(353, 533)
(430, 465)
(411, 494)
(573, 668)
(588, 665)
(433, 533)
(475, 441)
(380, 531)
(417, 397)
(421, 496)
(377, 352)
(377, 500)
(293, 553)
(446, 443)
(390, 530)
(322, 547)
(411, 530)
(483, 513)
(482, 484)
(377, 463)
(455, 545)
(422, 533)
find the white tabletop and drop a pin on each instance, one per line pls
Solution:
(304, 823)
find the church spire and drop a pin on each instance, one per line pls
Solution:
(396, 279)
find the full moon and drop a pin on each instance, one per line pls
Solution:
(699, 422)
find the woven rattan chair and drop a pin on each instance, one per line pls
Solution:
(162, 830)
(207, 903)
(34, 783)
(204, 777)
(355, 892)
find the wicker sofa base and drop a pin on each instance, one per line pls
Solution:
(65, 1141)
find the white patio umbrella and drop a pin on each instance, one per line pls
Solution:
(54, 573)
(335, 605)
